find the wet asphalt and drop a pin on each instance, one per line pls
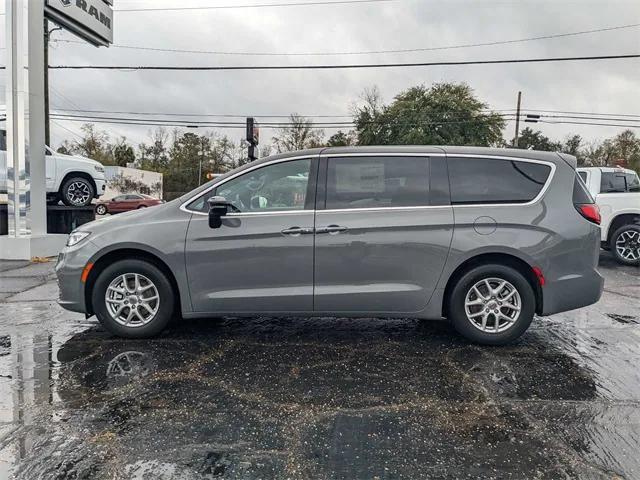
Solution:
(308, 398)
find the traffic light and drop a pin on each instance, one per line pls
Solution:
(252, 137)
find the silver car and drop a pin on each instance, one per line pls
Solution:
(485, 238)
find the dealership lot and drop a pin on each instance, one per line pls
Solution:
(317, 398)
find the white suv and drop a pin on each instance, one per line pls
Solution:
(617, 193)
(73, 179)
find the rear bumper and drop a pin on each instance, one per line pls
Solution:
(571, 292)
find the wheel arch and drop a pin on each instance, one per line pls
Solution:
(620, 220)
(84, 175)
(506, 259)
(115, 255)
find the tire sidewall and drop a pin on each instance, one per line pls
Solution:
(65, 186)
(101, 210)
(612, 244)
(458, 316)
(153, 273)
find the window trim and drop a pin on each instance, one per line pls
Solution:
(323, 156)
(312, 158)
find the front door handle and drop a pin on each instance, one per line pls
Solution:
(297, 231)
(332, 229)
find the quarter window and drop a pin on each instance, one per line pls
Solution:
(278, 187)
(612, 182)
(485, 180)
(377, 182)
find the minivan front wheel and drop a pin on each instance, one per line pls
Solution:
(492, 304)
(133, 298)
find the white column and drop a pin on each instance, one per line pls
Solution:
(17, 98)
(36, 154)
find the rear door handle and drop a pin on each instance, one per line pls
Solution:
(297, 231)
(332, 229)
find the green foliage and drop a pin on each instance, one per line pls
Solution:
(444, 114)
(341, 139)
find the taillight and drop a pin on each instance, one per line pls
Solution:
(590, 211)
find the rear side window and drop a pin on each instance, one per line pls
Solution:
(377, 182)
(583, 176)
(485, 180)
(633, 183)
(613, 182)
(581, 193)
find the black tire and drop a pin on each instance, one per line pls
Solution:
(101, 209)
(77, 192)
(631, 233)
(464, 326)
(142, 206)
(165, 309)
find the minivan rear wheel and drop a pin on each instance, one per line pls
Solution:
(133, 298)
(492, 304)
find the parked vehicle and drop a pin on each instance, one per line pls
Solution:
(73, 179)
(617, 194)
(483, 237)
(124, 203)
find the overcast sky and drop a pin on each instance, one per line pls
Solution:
(609, 86)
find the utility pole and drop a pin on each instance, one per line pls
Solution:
(515, 138)
(252, 137)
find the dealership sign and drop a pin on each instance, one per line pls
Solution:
(91, 20)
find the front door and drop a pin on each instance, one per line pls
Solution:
(261, 258)
(383, 237)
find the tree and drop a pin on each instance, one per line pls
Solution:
(123, 153)
(94, 145)
(298, 136)
(341, 139)
(444, 114)
(154, 156)
(535, 140)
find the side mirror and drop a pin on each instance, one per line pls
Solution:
(218, 208)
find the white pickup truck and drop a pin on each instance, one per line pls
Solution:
(617, 194)
(74, 180)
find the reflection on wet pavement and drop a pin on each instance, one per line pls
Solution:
(317, 398)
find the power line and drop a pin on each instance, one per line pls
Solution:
(341, 115)
(364, 52)
(346, 66)
(254, 5)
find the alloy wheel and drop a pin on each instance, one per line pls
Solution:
(132, 300)
(79, 193)
(628, 245)
(493, 305)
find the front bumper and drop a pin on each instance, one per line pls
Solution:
(572, 291)
(69, 267)
(101, 186)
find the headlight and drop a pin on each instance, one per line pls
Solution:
(99, 168)
(76, 237)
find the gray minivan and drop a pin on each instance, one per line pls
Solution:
(485, 238)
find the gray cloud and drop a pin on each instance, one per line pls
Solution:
(605, 86)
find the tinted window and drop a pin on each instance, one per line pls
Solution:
(133, 197)
(375, 182)
(612, 182)
(483, 180)
(583, 176)
(633, 183)
(580, 192)
(282, 186)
